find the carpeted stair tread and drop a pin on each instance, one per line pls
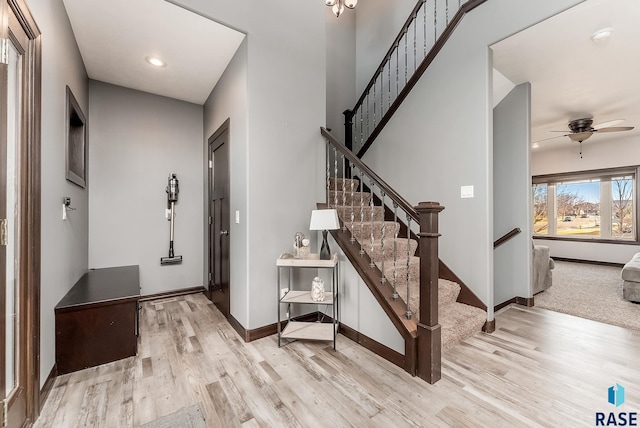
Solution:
(363, 230)
(344, 212)
(448, 291)
(348, 198)
(458, 322)
(337, 184)
(387, 251)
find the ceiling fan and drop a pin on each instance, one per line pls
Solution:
(581, 129)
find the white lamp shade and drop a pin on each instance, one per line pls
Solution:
(324, 220)
(330, 2)
(350, 3)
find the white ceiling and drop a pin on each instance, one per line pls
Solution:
(571, 76)
(115, 37)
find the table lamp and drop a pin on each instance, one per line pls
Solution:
(324, 220)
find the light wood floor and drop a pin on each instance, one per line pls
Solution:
(539, 368)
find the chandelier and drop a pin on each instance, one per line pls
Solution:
(337, 6)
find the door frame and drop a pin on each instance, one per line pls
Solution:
(30, 190)
(224, 128)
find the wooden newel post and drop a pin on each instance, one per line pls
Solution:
(429, 334)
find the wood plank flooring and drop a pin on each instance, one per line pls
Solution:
(539, 369)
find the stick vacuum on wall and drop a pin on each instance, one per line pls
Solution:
(172, 196)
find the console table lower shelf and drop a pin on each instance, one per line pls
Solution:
(309, 330)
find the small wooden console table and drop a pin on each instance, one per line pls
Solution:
(97, 320)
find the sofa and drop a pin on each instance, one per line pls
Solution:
(542, 267)
(631, 279)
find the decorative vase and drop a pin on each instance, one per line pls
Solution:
(317, 289)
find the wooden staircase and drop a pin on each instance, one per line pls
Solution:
(458, 320)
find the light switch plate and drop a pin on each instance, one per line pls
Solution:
(466, 191)
(237, 217)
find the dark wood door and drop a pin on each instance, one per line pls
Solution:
(19, 113)
(219, 222)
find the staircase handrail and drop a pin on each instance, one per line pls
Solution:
(504, 238)
(348, 154)
(438, 44)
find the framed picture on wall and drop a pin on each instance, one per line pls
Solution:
(76, 126)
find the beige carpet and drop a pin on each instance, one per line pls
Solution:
(590, 291)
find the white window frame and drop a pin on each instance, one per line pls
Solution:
(605, 176)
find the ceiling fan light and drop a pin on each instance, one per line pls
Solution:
(601, 35)
(580, 136)
(337, 9)
(350, 3)
(330, 2)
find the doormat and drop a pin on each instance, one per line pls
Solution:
(187, 417)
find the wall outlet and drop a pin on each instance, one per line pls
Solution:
(283, 291)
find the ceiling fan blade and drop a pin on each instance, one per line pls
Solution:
(615, 129)
(608, 124)
(551, 138)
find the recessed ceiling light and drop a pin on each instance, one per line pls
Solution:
(157, 62)
(601, 35)
(535, 145)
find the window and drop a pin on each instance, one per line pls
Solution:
(578, 208)
(540, 211)
(589, 205)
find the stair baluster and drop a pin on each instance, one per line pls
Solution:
(424, 22)
(408, 313)
(335, 175)
(397, 48)
(344, 189)
(362, 215)
(415, 57)
(406, 63)
(374, 103)
(352, 216)
(384, 224)
(395, 252)
(371, 236)
(328, 184)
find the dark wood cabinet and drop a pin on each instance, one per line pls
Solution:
(97, 320)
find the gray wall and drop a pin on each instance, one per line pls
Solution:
(229, 100)
(137, 139)
(512, 206)
(441, 138)
(282, 162)
(64, 243)
(341, 68)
